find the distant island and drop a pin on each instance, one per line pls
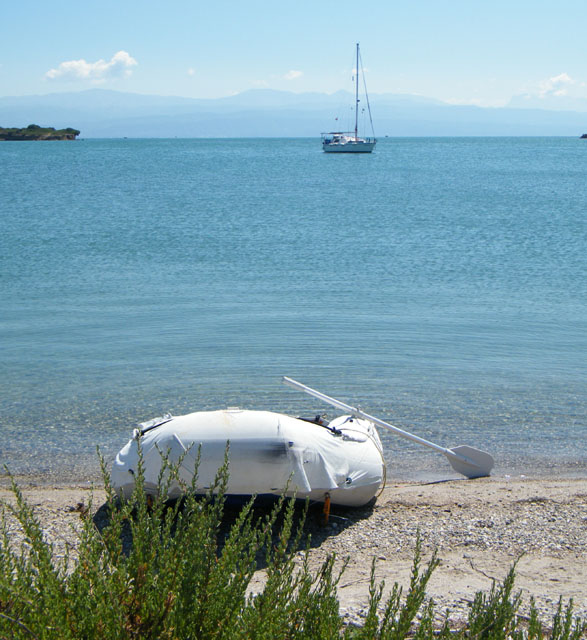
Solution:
(584, 136)
(34, 132)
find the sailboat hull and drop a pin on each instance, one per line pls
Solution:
(348, 147)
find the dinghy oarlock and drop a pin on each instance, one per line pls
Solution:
(466, 460)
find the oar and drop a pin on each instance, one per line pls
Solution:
(469, 461)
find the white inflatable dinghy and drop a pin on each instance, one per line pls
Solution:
(342, 459)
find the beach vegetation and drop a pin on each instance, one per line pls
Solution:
(36, 132)
(160, 569)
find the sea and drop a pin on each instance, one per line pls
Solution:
(438, 283)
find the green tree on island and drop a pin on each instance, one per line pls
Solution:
(35, 132)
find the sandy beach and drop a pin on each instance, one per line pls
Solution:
(480, 528)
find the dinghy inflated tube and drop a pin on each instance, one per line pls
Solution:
(268, 452)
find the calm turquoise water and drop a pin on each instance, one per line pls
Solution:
(440, 283)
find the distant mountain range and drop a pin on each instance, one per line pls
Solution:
(101, 113)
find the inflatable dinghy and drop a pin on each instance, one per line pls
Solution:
(267, 452)
(341, 460)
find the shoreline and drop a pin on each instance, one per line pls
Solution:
(404, 468)
(50, 481)
(479, 527)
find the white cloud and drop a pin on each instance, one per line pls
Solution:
(557, 92)
(293, 75)
(191, 71)
(120, 65)
(555, 86)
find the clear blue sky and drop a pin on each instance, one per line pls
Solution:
(463, 51)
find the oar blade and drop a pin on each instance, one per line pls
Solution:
(470, 462)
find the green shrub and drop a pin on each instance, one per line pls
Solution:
(173, 570)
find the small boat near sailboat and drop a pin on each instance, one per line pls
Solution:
(349, 141)
(271, 453)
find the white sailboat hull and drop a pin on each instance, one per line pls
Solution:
(268, 452)
(348, 147)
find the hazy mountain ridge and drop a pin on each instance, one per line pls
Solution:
(265, 112)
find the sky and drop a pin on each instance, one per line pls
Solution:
(481, 52)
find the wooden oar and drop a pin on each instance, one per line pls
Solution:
(468, 461)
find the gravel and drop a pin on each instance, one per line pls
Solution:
(479, 528)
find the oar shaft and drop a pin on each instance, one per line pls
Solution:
(361, 414)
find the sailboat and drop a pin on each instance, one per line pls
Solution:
(349, 141)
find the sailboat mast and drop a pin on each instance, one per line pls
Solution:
(357, 95)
